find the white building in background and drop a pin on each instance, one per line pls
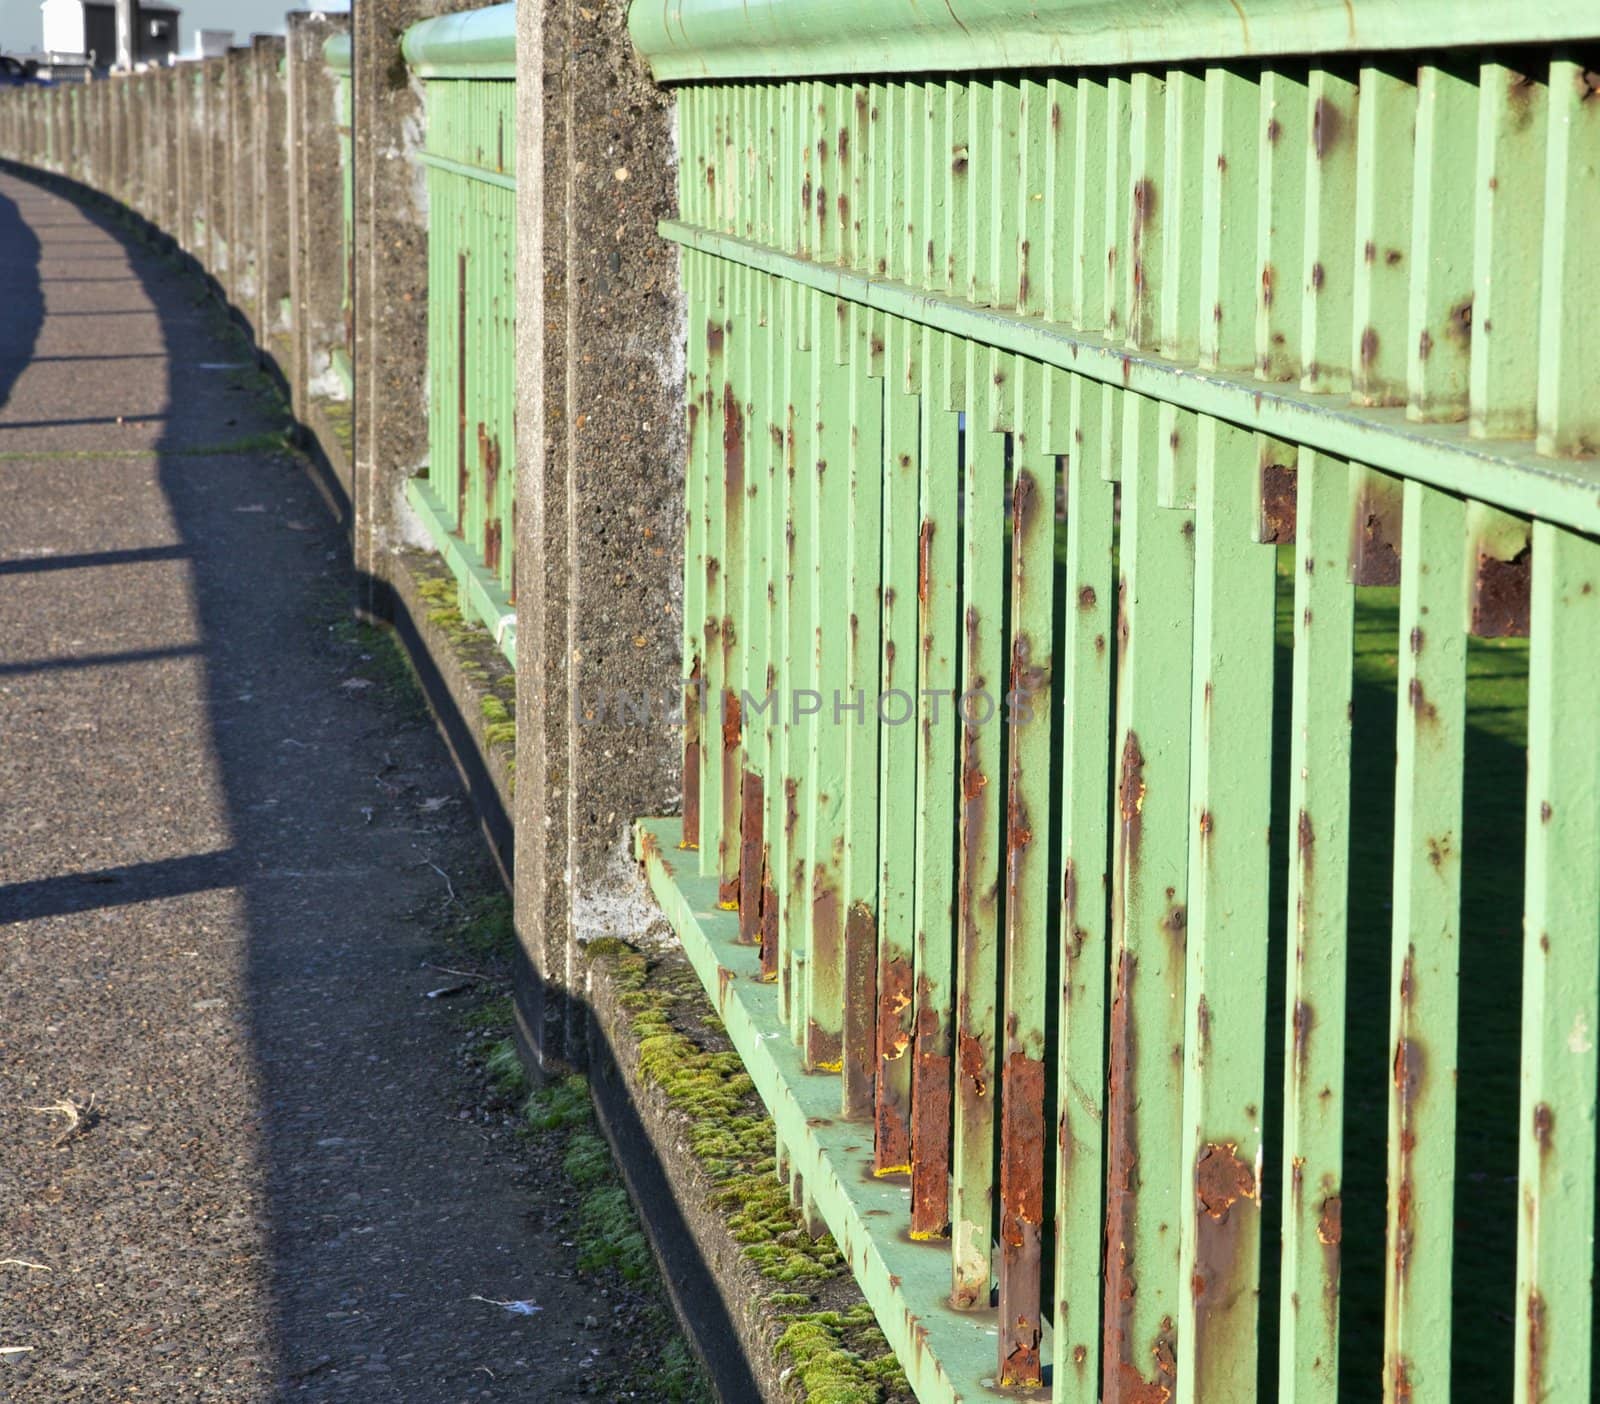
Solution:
(212, 43)
(85, 31)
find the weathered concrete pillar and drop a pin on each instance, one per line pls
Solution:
(187, 125)
(216, 168)
(391, 283)
(316, 214)
(271, 166)
(599, 487)
(241, 176)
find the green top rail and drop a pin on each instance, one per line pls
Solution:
(472, 44)
(336, 52)
(687, 39)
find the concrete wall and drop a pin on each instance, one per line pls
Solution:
(599, 488)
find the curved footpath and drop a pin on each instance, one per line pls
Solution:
(235, 1159)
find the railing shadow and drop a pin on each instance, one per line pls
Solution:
(331, 855)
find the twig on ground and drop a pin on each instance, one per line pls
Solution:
(23, 1263)
(450, 887)
(79, 1115)
(450, 970)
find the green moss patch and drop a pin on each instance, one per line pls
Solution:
(831, 1356)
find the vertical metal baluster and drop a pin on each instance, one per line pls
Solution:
(1281, 223)
(1569, 358)
(1423, 1016)
(1084, 671)
(1439, 341)
(1141, 216)
(897, 771)
(1145, 1186)
(1556, 1158)
(1225, 989)
(1028, 824)
(1315, 982)
(938, 596)
(1508, 199)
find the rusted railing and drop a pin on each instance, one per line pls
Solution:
(466, 499)
(1124, 463)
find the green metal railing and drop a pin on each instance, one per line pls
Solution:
(1118, 484)
(337, 53)
(466, 500)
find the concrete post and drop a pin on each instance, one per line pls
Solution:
(599, 521)
(390, 353)
(316, 215)
(241, 177)
(270, 214)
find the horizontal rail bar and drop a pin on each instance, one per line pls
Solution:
(473, 44)
(788, 38)
(467, 170)
(483, 593)
(337, 53)
(1509, 474)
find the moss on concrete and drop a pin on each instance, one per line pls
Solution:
(833, 1356)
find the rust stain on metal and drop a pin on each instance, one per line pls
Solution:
(1410, 1071)
(1318, 277)
(752, 812)
(1535, 1329)
(924, 559)
(1305, 1019)
(1022, 1147)
(1125, 1382)
(461, 393)
(892, 1142)
(1502, 596)
(791, 811)
(1369, 346)
(1130, 797)
(1279, 504)
(930, 1124)
(691, 758)
(1543, 1126)
(732, 451)
(1202, 1015)
(769, 918)
(860, 1010)
(1144, 206)
(1330, 1234)
(1375, 530)
(825, 1047)
(714, 338)
(1225, 1188)
(1425, 711)
(974, 1064)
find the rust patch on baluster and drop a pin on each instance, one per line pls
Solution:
(1022, 1136)
(769, 918)
(1327, 124)
(1144, 206)
(1502, 596)
(1279, 504)
(1225, 1191)
(924, 559)
(732, 451)
(891, 1152)
(930, 1124)
(1410, 1072)
(728, 888)
(825, 1046)
(860, 1011)
(1125, 1382)
(1330, 1233)
(489, 465)
(691, 759)
(1535, 1329)
(461, 393)
(752, 813)
(1374, 539)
